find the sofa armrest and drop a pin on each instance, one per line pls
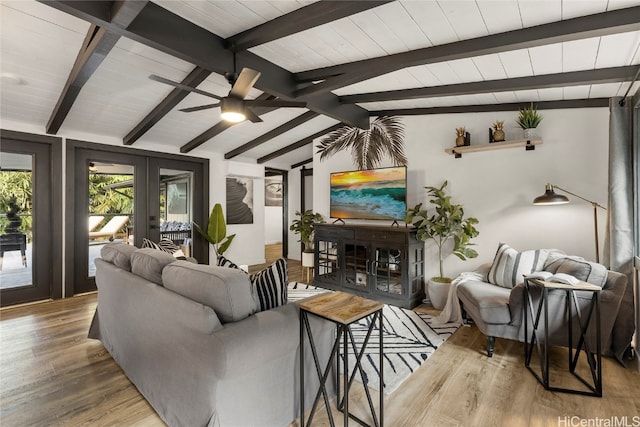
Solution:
(270, 334)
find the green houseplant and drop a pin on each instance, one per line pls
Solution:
(303, 225)
(216, 232)
(528, 119)
(445, 223)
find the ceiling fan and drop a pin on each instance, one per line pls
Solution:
(234, 107)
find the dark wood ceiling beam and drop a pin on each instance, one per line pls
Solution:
(96, 46)
(313, 15)
(483, 108)
(600, 24)
(162, 30)
(298, 144)
(574, 78)
(304, 162)
(303, 118)
(223, 125)
(195, 77)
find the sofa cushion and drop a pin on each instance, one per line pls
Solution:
(118, 254)
(228, 291)
(149, 263)
(490, 302)
(270, 285)
(509, 266)
(165, 245)
(579, 268)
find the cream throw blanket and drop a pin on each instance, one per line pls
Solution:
(452, 313)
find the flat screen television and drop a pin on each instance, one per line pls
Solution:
(369, 194)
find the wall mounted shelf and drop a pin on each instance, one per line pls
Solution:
(528, 144)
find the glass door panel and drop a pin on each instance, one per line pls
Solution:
(16, 219)
(388, 270)
(176, 207)
(26, 218)
(111, 207)
(356, 269)
(327, 263)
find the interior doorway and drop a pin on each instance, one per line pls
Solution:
(276, 211)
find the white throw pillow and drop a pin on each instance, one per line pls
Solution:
(509, 266)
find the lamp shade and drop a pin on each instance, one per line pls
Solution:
(550, 197)
(232, 109)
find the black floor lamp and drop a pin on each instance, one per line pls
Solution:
(551, 198)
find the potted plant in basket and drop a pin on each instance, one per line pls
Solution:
(304, 227)
(447, 223)
(529, 119)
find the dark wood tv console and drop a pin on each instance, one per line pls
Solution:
(382, 263)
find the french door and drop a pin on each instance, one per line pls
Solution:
(126, 195)
(29, 208)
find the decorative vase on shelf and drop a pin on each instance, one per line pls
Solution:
(498, 134)
(460, 141)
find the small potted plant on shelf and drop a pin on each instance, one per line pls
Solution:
(445, 223)
(529, 119)
(303, 225)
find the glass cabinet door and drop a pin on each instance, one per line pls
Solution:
(416, 268)
(387, 270)
(356, 266)
(326, 262)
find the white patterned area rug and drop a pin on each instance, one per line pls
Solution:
(409, 338)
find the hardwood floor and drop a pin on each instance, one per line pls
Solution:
(51, 374)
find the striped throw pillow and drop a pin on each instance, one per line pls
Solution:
(226, 262)
(164, 245)
(270, 285)
(509, 266)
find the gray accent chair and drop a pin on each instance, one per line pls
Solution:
(498, 311)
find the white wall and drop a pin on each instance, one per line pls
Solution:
(248, 245)
(498, 187)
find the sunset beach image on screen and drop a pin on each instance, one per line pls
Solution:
(369, 194)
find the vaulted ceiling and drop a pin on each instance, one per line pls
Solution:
(81, 69)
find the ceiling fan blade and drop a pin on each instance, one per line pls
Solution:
(253, 117)
(201, 107)
(244, 83)
(183, 87)
(274, 103)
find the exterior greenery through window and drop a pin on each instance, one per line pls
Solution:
(102, 199)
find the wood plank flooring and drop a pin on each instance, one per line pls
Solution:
(51, 374)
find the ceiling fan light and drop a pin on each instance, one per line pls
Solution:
(232, 110)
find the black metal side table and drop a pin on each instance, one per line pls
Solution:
(343, 309)
(542, 342)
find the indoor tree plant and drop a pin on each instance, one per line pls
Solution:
(216, 232)
(528, 119)
(444, 224)
(303, 225)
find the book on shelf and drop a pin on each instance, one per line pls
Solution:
(547, 276)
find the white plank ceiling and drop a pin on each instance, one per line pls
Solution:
(39, 44)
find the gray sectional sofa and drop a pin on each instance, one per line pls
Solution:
(189, 337)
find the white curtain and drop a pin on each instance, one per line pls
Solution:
(619, 239)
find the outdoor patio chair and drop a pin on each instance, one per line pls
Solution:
(94, 220)
(111, 228)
